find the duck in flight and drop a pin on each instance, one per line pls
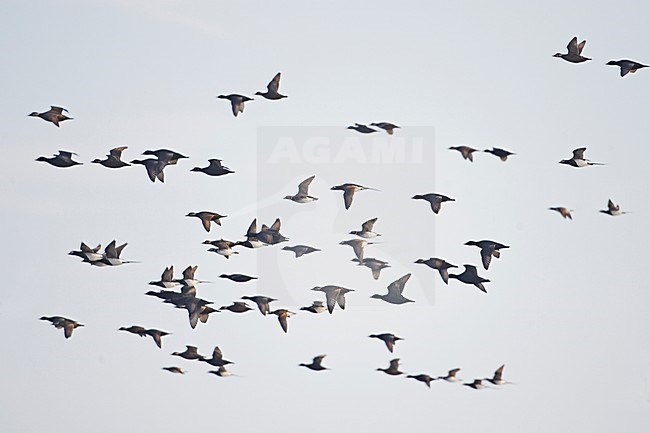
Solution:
(283, 315)
(375, 265)
(497, 378)
(166, 279)
(612, 209)
(154, 168)
(470, 276)
(68, 325)
(333, 295)
(263, 303)
(465, 151)
(502, 154)
(386, 126)
(272, 89)
(626, 66)
(348, 192)
(206, 218)
(113, 159)
(565, 212)
(357, 245)
(300, 250)
(389, 339)
(54, 115)
(578, 160)
(366, 230)
(393, 368)
(425, 378)
(316, 307)
(214, 169)
(440, 265)
(574, 51)
(62, 160)
(364, 129)
(88, 254)
(191, 352)
(488, 249)
(316, 364)
(451, 376)
(395, 289)
(236, 102)
(435, 200)
(303, 192)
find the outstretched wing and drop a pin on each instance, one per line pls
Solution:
(303, 188)
(274, 85)
(367, 226)
(397, 286)
(579, 153)
(347, 197)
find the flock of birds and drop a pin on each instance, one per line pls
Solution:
(181, 293)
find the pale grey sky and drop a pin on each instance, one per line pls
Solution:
(567, 305)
